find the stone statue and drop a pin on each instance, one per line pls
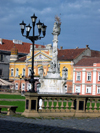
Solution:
(64, 73)
(56, 32)
(53, 83)
(41, 71)
(58, 67)
(51, 66)
(56, 29)
(54, 66)
(40, 103)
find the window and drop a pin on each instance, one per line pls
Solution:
(0, 72)
(88, 89)
(29, 71)
(1, 57)
(23, 87)
(88, 76)
(65, 88)
(66, 72)
(17, 72)
(98, 90)
(77, 89)
(12, 72)
(16, 86)
(78, 76)
(28, 86)
(23, 72)
(98, 76)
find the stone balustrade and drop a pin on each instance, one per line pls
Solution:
(61, 104)
(53, 104)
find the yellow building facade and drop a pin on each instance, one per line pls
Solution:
(20, 69)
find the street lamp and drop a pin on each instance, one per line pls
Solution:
(33, 38)
(20, 77)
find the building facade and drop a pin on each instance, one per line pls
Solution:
(20, 69)
(5, 52)
(86, 76)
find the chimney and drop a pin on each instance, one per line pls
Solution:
(87, 46)
(0, 40)
(17, 41)
(61, 47)
(77, 47)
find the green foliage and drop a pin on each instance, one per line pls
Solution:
(20, 104)
(93, 105)
(59, 104)
(98, 104)
(55, 103)
(64, 104)
(69, 104)
(88, 105)
(50, 103)
(45, 104)
(7, 96)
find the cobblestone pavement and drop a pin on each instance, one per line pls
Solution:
(13, 124)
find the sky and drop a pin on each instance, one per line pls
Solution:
(80, 21)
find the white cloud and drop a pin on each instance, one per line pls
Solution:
(74, 5)
(74, 14)
(98, 10)
(46, 10)
(21, 1)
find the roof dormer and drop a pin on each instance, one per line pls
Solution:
(1, 41)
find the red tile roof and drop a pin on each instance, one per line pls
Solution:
(95, 53)
(88, 61)
(21, 59)
(7, 45)
(69, 54)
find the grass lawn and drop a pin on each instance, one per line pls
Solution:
(8, 96)
(20, 104)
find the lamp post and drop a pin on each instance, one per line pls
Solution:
(33, 38)
(20, 77)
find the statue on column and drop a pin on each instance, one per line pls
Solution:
(56, 32)
(53, 82)
(56, 28)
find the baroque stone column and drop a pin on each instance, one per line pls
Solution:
(56, 32)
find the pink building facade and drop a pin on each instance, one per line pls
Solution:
(86, 76)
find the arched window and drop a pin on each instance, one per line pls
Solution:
(28, 86)
(66, 71)
(65, 88)
(17, 70)
(29, 71)
(16, 86)
(12, 72)
(23, 72)
(23, 86)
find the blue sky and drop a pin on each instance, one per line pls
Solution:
(80, 21)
